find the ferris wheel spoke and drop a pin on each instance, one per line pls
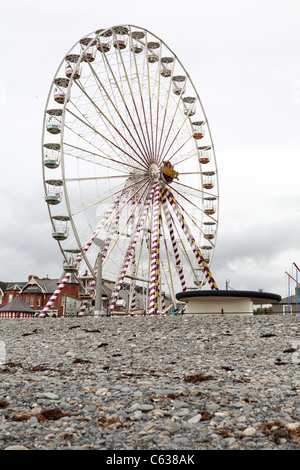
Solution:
(99, 201)
(106, 139)
(86, 122)
(184, 257)
(183, 251)
(94, 178)
(159, 151)
(129, 114)
(196, 206)
(170, 128)
(191, 239)
(179, 148)
(111, 216)
(103, 115)
(104, 157)
(137, 266)
(182, 247)
(146, 137)
(129, 252)
(169, 224)
(168, 275)
(108, 239)
(188, 189)
(88, 141)
(195, 221)
(125, 126)
(158, 104)
(132, 197)
(185, 159)
(147, 151)
(89, 151)
(150, 111)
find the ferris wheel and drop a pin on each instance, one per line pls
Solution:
(128, 157)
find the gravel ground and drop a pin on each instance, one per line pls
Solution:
(150, 383)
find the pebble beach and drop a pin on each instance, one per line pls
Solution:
(132, 383)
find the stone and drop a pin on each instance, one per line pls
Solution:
(146, 407)
(50, 395)
(249, 432)
(16, 447)
(195, 419)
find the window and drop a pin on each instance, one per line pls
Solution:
(287, 309)
(31, 301)
(38, 301)
(27, 299)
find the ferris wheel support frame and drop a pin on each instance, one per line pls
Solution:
(129, 252)
(191, 239)
(178, 263)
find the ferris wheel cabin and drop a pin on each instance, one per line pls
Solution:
(189, 104)
(121, 37)
(104, 40)
(208, 182)
(206, 252)
(89, 54)
(204, 154)
(209, 205)
(72, 59)
(179, 84)
(52, 155)
(54, 121)
(53, 192)
(137, 46)
(209, 230)
(198, 129)
(70, 265)
(61, 229)
(59, 94)
(153, 57)
(166, 63)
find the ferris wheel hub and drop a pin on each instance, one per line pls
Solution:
(154, 172)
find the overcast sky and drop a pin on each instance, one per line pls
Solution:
(243, 58)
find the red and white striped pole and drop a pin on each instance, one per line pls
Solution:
(191, 240)
(174, 244)
(155, 252)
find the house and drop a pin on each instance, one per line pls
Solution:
(37, 292)
(290, 304)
